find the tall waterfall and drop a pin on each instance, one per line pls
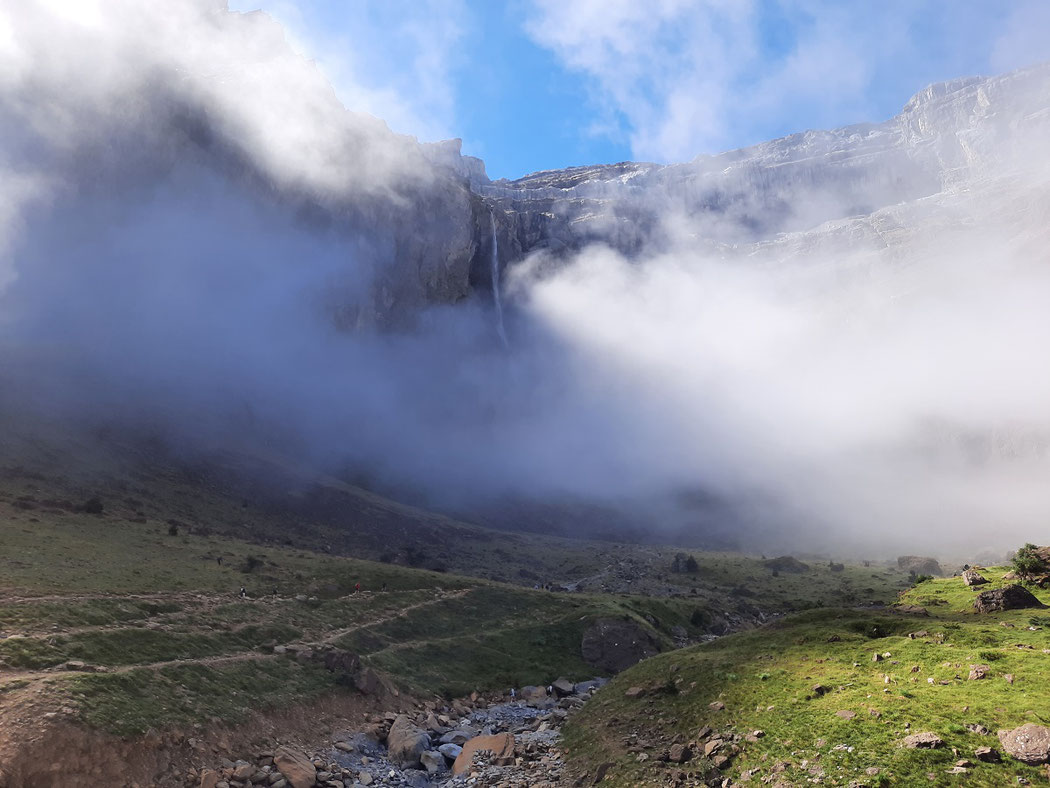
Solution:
(496, 298)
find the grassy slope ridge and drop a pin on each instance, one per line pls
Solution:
(766, 680)
(159, 614)
(162, 620)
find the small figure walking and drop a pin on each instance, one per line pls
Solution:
(275, 592)
(219, 560)
(357, 588)
(513, 693)
(244, 592)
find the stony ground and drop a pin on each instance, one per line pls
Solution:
(938, 690)
(518, 735)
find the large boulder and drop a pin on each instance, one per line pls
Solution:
(1012, 597)
(611, 644)
(785, 563)
(1029, 744)
(295, 767)
(501, 747)
(533, 694)
(920, 565)
(406, 743)
(564, 687)
(973, 578)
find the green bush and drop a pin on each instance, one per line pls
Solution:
(1027, 563)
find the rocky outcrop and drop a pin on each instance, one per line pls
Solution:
(944, 134)
(616, 644)
(1014, 597)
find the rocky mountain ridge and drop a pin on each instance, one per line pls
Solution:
(947, 135)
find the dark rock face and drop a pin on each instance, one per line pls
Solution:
(1013, 597)
(1029, 744)
(920, 565)
(614, 645)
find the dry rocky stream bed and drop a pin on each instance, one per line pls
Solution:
(510, 742)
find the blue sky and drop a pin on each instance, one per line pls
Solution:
(542, 84)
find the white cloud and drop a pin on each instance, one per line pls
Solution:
(394, 60)
(685, 78)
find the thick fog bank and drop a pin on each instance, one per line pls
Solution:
(198, 242)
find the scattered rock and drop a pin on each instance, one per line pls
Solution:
(973, 578)
(433, 761)
(501, 746)
(922, 741)
(295, 767)
(979, 672)
(845, 714)
(1013, 597)
(635, 692)
(564, 687)
(456, 737)
(679, 753)
(533, 694)
(406, 742)
(450, 751)
(987, 754)
(1029, 743)
(716, 706)
(209, 778)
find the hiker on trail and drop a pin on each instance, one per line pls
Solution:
(513, 693)
(275, 592)
(550, 690)
(384, 586)
(357, 588)
(244, 592)
(219, 560)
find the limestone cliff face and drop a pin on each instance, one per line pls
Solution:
(812, 190)
(947, 135)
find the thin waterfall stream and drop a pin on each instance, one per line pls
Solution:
(496, 297)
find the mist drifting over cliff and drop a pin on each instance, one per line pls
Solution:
(838, 336)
